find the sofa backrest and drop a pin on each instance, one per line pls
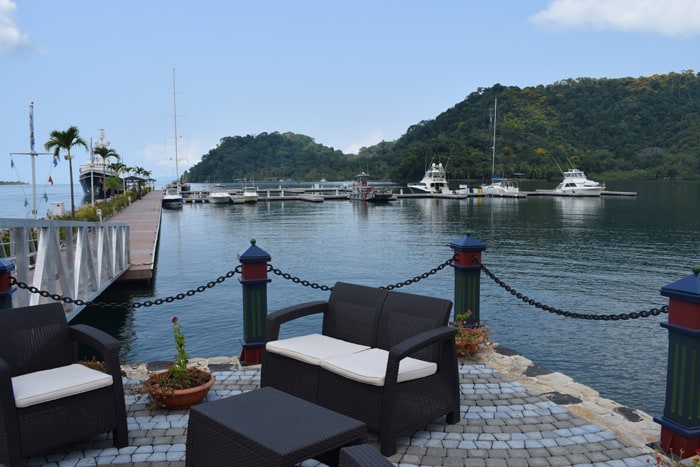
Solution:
(353, 313)
(404, 315)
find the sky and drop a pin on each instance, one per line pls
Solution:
(347, 74)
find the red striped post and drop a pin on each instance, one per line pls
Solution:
(6, 289)
(680, 423)
(467, 266)
(254, 280)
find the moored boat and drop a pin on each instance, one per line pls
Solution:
(93, 176)
(361, 190)
(250, 194)
(172, 198)
(219, 197)
(434, 181)
(499, 186)
(576, 183)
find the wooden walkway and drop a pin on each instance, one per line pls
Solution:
(143, 217)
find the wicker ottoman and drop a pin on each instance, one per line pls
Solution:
(267, 427)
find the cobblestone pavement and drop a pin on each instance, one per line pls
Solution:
(503, 424)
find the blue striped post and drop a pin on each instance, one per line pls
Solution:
(680, 423)
(254, 280)
(6, 289)
(467, 276)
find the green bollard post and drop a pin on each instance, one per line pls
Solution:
(467, 266)
(254, 280)
(6, 289)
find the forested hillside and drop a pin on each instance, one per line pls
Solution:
(635, 128)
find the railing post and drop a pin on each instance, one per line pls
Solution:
(680, 423)
(254, 280)
(467, 276)
(6, 289)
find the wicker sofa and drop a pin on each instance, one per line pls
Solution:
(385, 358)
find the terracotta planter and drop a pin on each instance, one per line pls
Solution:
(184, 398)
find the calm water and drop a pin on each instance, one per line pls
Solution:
(607, 255)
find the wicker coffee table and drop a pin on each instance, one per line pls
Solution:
(267, 427)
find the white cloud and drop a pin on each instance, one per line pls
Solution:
(370, 139)
(665, 17)
(11, 37)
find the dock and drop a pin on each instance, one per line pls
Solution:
(143, 218)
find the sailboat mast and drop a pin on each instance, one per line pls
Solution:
(493, 138)
(177, 171)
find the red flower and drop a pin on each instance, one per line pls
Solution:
(174, 319)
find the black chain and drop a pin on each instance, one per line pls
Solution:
(570, 314)
(147, 303)
(398, 285)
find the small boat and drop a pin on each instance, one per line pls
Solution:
(250, 194)
(576, 183)
(361, 190)
(219, 197)
(172, 199)
(499, 186)
(433, 182)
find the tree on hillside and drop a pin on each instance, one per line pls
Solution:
(65, 140)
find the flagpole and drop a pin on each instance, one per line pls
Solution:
(32, 153)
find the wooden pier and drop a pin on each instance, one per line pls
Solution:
(143, 218)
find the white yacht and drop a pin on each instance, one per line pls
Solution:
(576, 183)
(219, 197)
(172, 198)
(433, 182)
(250, 194)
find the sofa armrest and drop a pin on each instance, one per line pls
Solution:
(444, 334)
(276, 319)
(102, 342)
(424, 339)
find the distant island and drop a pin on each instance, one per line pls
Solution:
(13, 183)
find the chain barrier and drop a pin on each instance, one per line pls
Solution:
(570, 314)
(147, 303)
(326, 288)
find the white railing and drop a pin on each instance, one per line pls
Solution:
(72, 259)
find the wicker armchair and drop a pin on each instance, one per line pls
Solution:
(47, 400)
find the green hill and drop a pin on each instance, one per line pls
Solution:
(625, 128)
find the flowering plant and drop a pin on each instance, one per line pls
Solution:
(470, 337)
(693, 461)
(178, 375)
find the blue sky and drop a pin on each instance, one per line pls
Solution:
(348, 74)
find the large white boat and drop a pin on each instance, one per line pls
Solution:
(433, 182)
(250, 194)
(576, 183)
(362, 191)
(172, 199)
(499, 186)
(93, 176)
(219, 197)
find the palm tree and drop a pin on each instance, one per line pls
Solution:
(66, 140)
(106, 153)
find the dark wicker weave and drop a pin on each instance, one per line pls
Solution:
(351, 313)
(38, 338)
(362, 455)
(403, 324)
(267, 427)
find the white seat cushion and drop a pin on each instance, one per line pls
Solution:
(369, 367)
(313, 348)
(56, 383)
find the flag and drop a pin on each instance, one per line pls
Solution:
(26, 203)
(50, 180)
(46, 198)
(12, 163)
(55, 161)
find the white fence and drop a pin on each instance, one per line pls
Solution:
(72, 259)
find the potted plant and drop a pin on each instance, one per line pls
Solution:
(178, 387)
(469, 337)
